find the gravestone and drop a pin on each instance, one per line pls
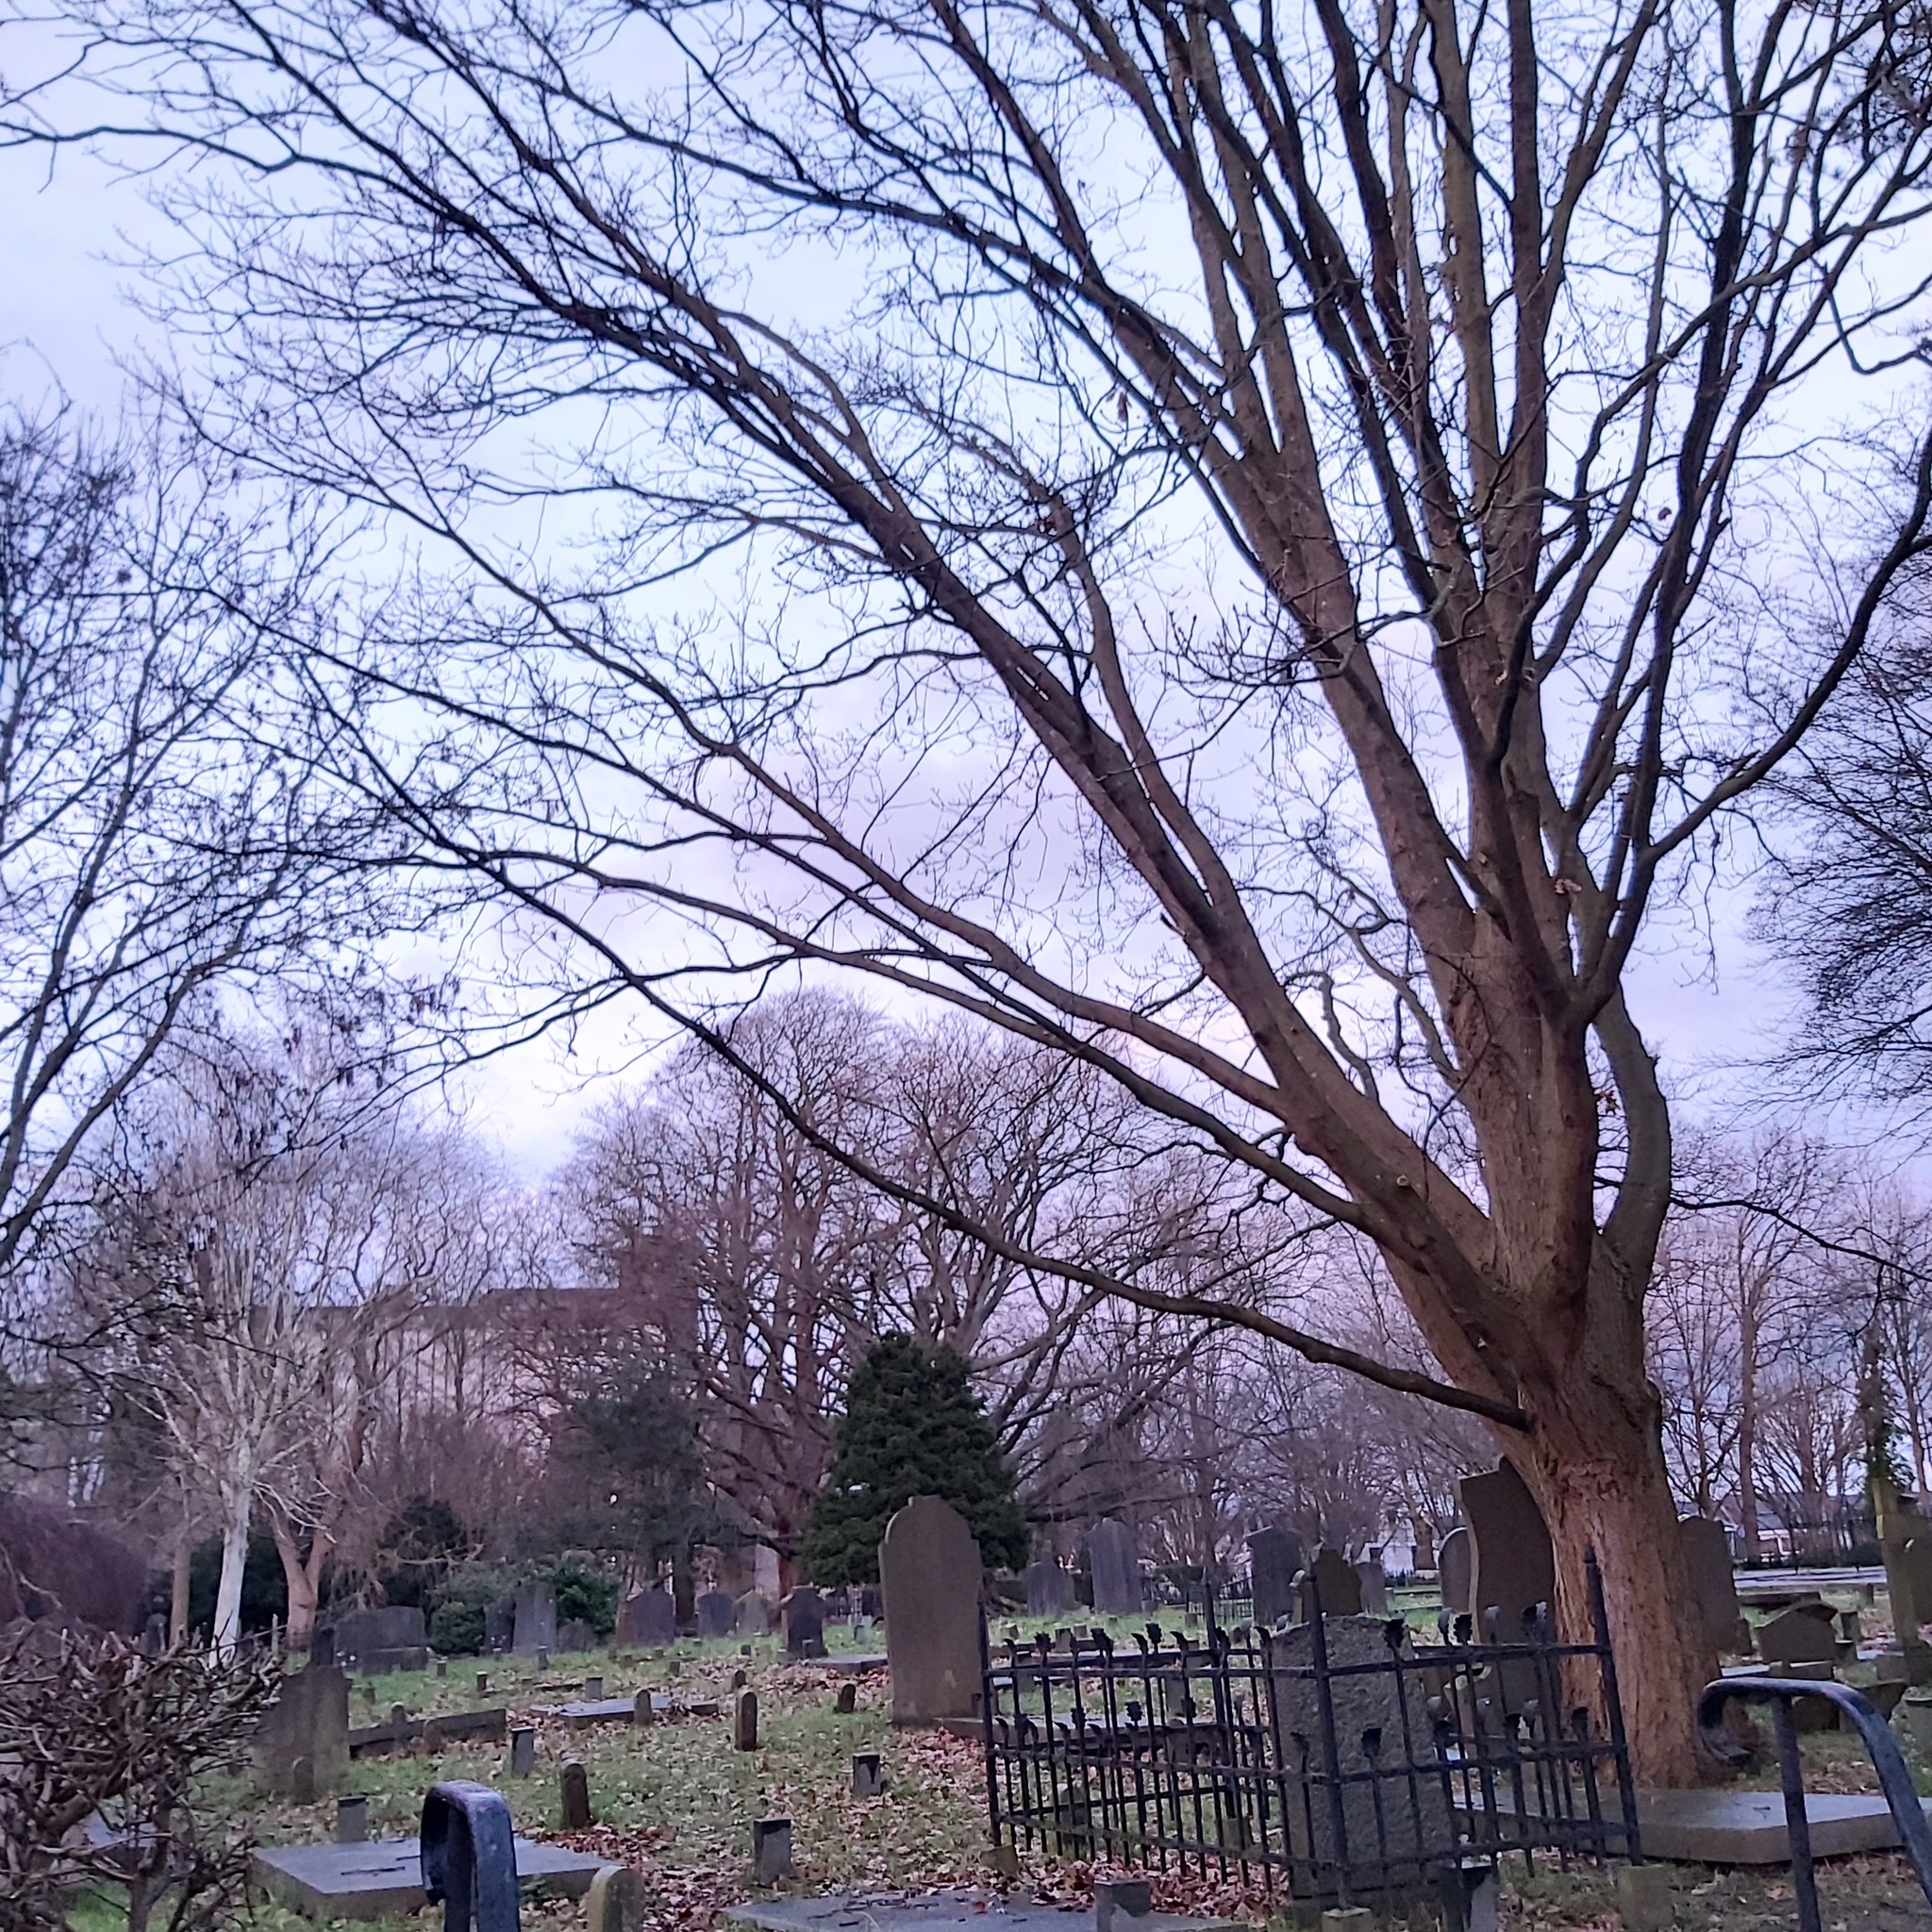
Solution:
(1049, 1589)
(1115, 1566)
(534, 1616)
(574, 1789)
(1454, 1564)
(616, 1901)
(304, 1737)
(1515, 1565)
(1375, 1588)
(869, 1601)
(804, 1622)
(1330, 1585)
(847, 1701)
(868, 1780)
(499, 1625)
(745, 1721)
(643, 1709)
(155, 1640)
(648, 1621)
(390, 1638)
(1707, 1557)
(930, 1574)
(352, 1821)
(1801, 1634)
(717, 1613)
(1275, 1559)
(578, 1635)
(1405, 1813)
(770, 1850)
(754, 1613)
(522, 1751)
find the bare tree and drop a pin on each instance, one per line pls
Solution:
(156, 838)
(1310, 527)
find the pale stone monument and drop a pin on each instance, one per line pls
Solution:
(930, 1574)
(1116, 1569)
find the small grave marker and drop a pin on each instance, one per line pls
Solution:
(770, 1850)
(1124, 1898)
(593, 1690)
(522, 1751)
(642, 1709)
(868, 1779)
(738, 1678)
(442, 1667)
(352, 1821)
(847, 1701)
(574, 1786)
(615, 1902)
(745, 1721)
(482, 1683)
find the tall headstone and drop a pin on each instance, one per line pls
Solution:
(499, 1625)
(1707, 1555)
(1330, 1585)
(1375, 1588)
(1116, 1569)
(1515, 1566)
(1049, 1589)
(1408, 1818)
(303, 1740)
(648, 1621)
(577, 1635)
(717, 1613)
(931, 1574)
(804, 1622)
(1899, 1528)
(1275, 1559)
(535, 1616)
(754, 1611)
(1455, 1564)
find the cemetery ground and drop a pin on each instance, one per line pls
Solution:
(675, 1802)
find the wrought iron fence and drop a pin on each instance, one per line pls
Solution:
(1339, 1759)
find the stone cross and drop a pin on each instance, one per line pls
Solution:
(931, 1576)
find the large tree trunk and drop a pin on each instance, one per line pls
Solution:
(302, 1576)
(1596, 1465)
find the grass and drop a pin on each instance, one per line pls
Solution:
(675, 1802)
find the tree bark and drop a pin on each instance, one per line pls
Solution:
(239, 1502)
(302, 1576)
(1595, 1466)
(177, 1589)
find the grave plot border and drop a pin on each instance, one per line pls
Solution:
(1180, 1753)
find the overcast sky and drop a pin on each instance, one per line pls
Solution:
(68, 317)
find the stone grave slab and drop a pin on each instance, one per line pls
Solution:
(1515, 1564)
(956, 1910)
(647, 1621)
(1275, 1559)
(379, 1740)
(1801, 1634)
(384, 1878)
(1720, 1827)
(1049, 1589)
(534, 1620)
(931, 1574)
(853, 1663)
(1368, 1705)
(307, 1723)
(1116, 1569)
(803, 1610)
(388, 1638)
(1331, 1582)
(1707, 1555)
(1454, 1563)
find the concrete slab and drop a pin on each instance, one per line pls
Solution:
(959, 1910)
(1720, 1827)
(384, 1878)
(850, 1663)
(585, 1713)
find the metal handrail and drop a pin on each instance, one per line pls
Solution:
(1894, 1779)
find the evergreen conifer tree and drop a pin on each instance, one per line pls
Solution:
(912, 1428)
